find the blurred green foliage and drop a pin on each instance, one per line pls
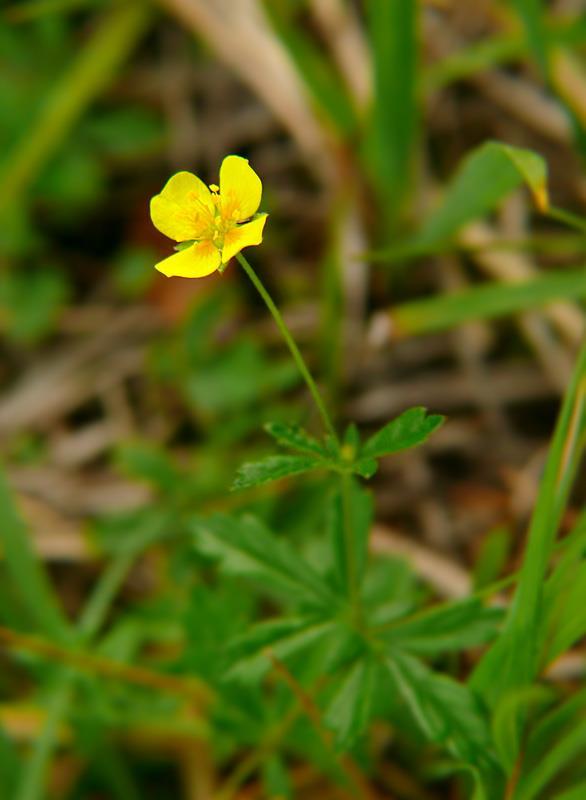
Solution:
(253, 631)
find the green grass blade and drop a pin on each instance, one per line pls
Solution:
(393, 134)
(562, 753)
(32, 786)
(10, 764)
(532, 15)
(486, 302)
(516, 656)
(322, 81)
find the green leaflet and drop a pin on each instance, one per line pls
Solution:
(350, 708)
(410, 429)
(446, 711)
(273, 468)
(284, 638)
(296, 438)
(452, 627)
(246, 547)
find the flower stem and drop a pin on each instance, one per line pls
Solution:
(295, 352)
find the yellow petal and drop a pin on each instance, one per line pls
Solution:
(240, 189)
(184, 209)
(243, 236)
(196, 261)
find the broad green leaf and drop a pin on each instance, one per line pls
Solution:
(349, 519)
(446, 711)
(273, 468)
(453, 627)
(485, 177)
(26, 570)
(516, 655)
(488, 301)
(483, 180)
(350, 708)
(410, 429)
(296, 438)
(247, 548)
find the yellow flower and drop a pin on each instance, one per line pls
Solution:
(212, 224)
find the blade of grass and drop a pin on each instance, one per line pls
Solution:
(532, 15)
(516, 656)
(486, 302)
(394, 122)
(33, 777)
(117, 33)
(322, 81)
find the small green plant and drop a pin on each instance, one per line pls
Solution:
(240, 626)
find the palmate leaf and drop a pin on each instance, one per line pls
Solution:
(410, 429)
(246, 547)
(351, 706)
(273, 468)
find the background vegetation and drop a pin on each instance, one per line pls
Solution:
(418, 636)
